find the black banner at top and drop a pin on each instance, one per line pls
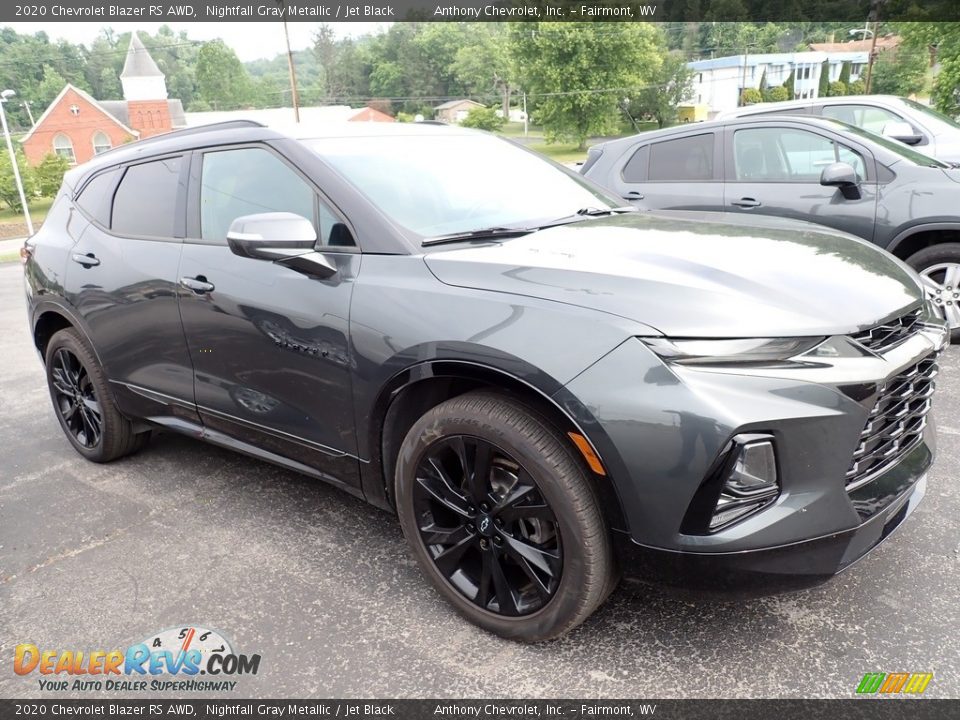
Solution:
(107, 11)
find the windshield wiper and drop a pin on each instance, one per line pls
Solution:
(481, 234)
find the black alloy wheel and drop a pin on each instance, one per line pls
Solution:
(75, 399)
(83, 402)
(486, 525)
(502, 514)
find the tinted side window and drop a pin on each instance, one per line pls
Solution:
(146, 200)
(781, 154)
(683, 159)
(636, 168)
(247, 181)
(97, 196)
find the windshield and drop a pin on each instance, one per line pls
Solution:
(897, 148)
(930, 112)
(439, 184)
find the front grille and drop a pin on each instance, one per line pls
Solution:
(895, 425)
(883, 337)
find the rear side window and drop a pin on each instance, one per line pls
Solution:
(145, 203)
(636, 168)
(684, 159)
(97, 196)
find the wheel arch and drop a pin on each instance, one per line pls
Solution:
(918, 237)
(419, 388)
(48, 319)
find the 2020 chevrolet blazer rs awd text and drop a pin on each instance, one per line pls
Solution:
(536, 380)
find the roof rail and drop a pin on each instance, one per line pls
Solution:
(187, 131)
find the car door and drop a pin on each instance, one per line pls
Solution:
(270, 345)
(681, 173)
(775, 169)
(122, 280)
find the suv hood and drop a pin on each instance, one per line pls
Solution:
(697, 274)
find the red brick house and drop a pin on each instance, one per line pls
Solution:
(77, 127)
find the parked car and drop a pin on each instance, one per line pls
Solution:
(901, 119)
(806, 168)
(540, 383)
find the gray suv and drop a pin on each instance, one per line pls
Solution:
(541, 384)
(902, 119)
(806, 168)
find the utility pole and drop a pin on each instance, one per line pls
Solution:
(873, 53)
(29, 114)
(293, 73)
(875, 17)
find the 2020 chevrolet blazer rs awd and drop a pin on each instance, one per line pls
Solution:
(536, 380)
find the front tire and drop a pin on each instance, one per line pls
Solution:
(939, 266)
(502, 517)
(83, 403)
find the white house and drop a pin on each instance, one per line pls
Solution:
(718, 83)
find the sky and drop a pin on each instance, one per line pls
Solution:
(250, 40)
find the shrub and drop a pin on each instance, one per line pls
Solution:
(750, 96)
(838, 88)
(483, 118)
(776, 94)
(49, 174)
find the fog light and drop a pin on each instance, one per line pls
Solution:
(752, 482)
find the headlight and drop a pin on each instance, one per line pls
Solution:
(741, 350)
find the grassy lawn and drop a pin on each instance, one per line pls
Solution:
(9, 257)
(38, 211)
(559, 152)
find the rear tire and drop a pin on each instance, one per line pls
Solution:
(940, 267)
(530, 569)
(83, 402)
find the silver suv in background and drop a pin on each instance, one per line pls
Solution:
(907, 121)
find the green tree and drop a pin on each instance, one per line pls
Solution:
(669, 88)
(579, 73)
(844, 73)
(222, 80)
(49, 87)
(900, 72)
(483, 118)
(788, 85)
(48, 175)
(824, 86)
(945, 37)
(9, 194)
(484, 65)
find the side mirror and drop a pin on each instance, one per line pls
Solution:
(903, 132)
(271, 236)
(843, 176)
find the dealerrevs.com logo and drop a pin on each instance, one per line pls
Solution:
(170, 660)
(893, 683)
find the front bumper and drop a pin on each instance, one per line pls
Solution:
(813, 559)
(660, 433)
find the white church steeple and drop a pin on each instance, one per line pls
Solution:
(141, 78)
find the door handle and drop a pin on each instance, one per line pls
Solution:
(88, 260)
(746, 203)
(198, 285)
(634, 195)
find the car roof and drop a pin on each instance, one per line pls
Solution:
(811, 102)
(241, 131)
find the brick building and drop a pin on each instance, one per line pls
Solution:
(77, 127)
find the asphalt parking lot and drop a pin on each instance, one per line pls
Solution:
(323, 588)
